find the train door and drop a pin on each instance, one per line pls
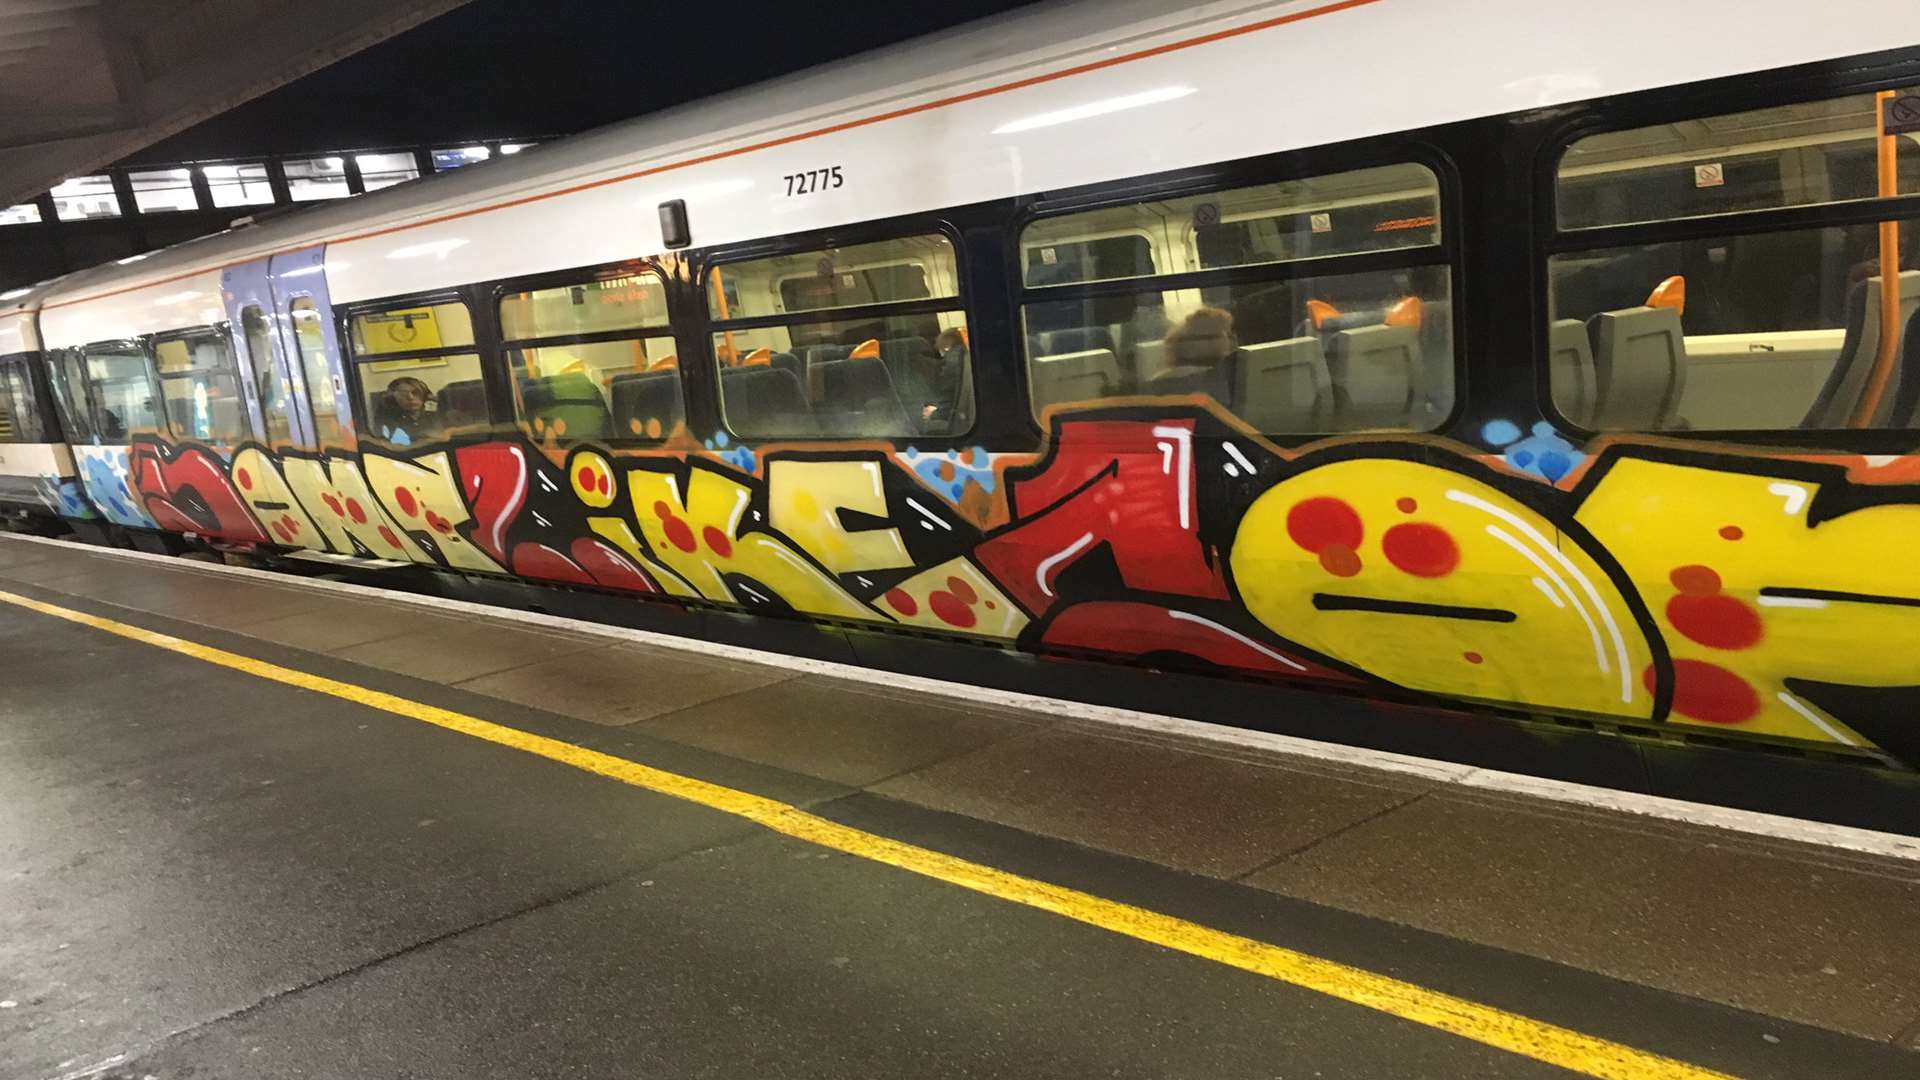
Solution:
(264, 371)
(309, 340)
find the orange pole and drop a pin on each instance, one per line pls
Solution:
(1890, 328)
(720, 297)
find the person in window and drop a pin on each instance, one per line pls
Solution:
(1200, 353)
(942, 398)
(402, 417)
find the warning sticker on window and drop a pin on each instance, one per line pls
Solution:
(1714, 175)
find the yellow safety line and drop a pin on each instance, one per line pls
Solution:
(1485, 1024)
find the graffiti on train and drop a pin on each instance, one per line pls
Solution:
(1649, 584)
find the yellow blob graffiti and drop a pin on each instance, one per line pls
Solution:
(804, 499)
(704, 535)
(423, 496)
(342, 507)
(955, 595)
(266, 493)
(1749, 591)
(1427, 578)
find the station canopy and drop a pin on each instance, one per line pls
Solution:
(84, 83)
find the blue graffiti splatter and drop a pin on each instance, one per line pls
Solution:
(740, 457)
(963, 465)
(107, 473)
(1545, 454)
(63, 497)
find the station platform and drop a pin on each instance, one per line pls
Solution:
(270, 827)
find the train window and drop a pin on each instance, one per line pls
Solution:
(162, 190)
(1744, 328)
(68, 369)
(21, 417)
(1805, 154)
(1257, 306)
(311, 340)
(257, 332)
(421, 379)
(594, 360)
(119, 381)
(314, 179)
(238, 185)
(385, 170)
(201, 388)
(86, 197)
(867, 340)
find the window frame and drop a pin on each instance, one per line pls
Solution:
(140, 345)
(942, 223)
(1414, 147)
(485, 347)
(498, 291)
(218, 332)
(1713, 98)
(44, 415)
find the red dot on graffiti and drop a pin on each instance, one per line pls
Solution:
(438, 524)
(1709, 693)
(1475, 658)
(900, 601)
(1732, 532)
(951, 609)
(357, 512)
(1407, 506)
(1421, 549)
(604, 484)
(387, 535)
(404, 499)
(1719, 622)
(245, 478)
(1320, 523)
(679, 533)
(717, 542)
(990, 605)
(661, 510)
(1339, 560)
(962, 590)
(586, 479)
(333, 504)
(1695, 580)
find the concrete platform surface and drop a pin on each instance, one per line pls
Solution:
(205, 874)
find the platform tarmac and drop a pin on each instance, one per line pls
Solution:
(268, 829)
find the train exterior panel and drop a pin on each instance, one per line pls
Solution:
(1356, 345)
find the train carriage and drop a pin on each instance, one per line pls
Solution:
(1404, 349)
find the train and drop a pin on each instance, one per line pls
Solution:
(1543, 362)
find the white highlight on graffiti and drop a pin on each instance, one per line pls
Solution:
(544, 523)
(546, 481)
(1231, 469)
(1813, 602)
(1599, 647)
(929, 515)
(740, 500)
(1234, 453)
(1752, 823)
(1548, 591)
(1183, 447)
(1815, 718)
(497, 535)
(872, 469)
(1586, 585)
(1047, 564)
(1794, 494)
(1239, 637)
(745, 588)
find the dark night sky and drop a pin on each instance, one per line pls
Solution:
(503, 68)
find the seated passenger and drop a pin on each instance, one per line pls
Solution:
(401, 416)
(943, 397)
(1199, 354)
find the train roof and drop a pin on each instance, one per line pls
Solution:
(1037, 100)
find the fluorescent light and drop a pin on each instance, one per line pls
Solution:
(131, 259)
(477, 153)
(15, 294)
(511, 148)
(333, 164)
(1095, 108)
(221, 172)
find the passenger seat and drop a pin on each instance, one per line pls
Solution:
(463, 404)
(1283, 387)
(856, 397)
(642, 398)
(1640, 369)
(570, 404)
(1845, 386)
(1377, 376)
(766, 403)
(1570, 363)
(1074, 376)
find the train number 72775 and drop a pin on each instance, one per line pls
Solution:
(814, 180)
